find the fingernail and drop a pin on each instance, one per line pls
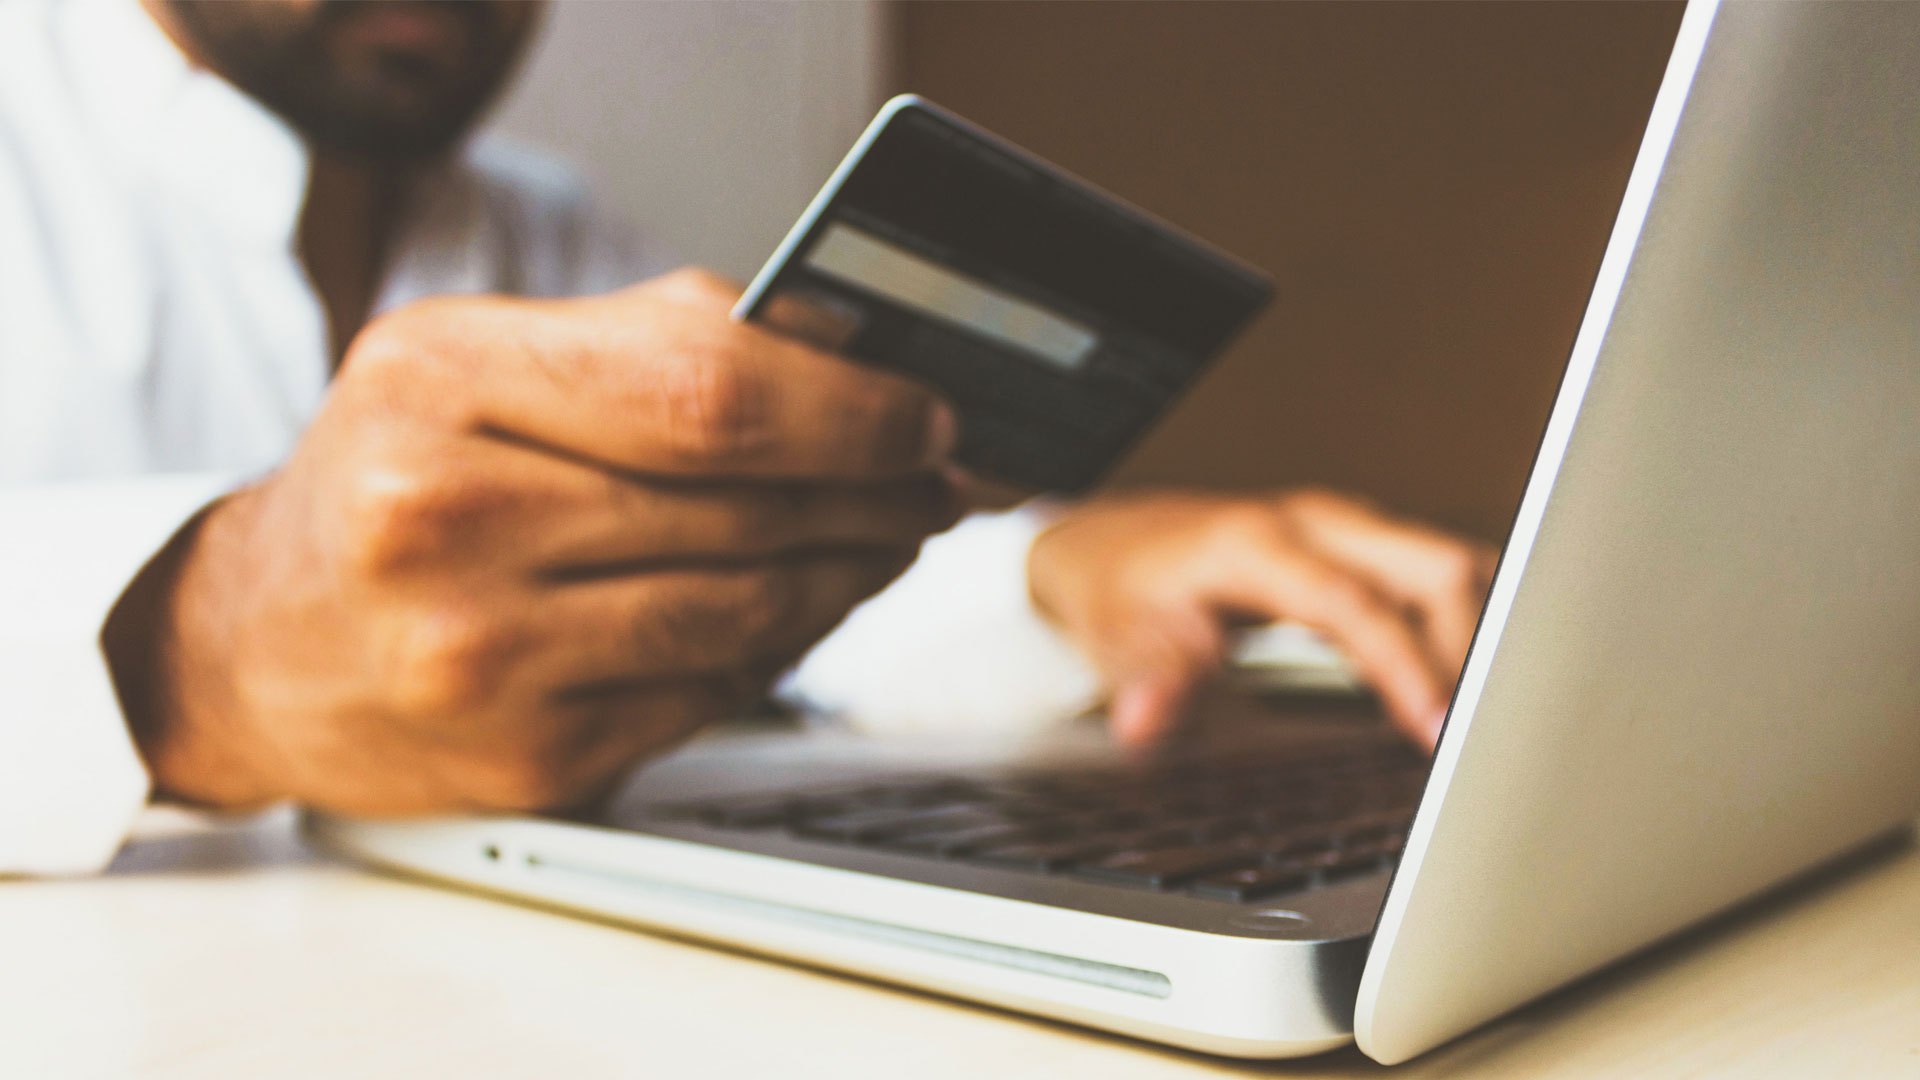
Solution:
(943, 433)
(1130, 713)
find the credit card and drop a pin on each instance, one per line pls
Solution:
(1060, 321)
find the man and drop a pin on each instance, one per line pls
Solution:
(487, 551)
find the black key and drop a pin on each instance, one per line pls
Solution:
(1330, 866)
(1305, 860)
(1153, 839)
(1249, 883)
(1044, 857)
(1222, 828)
(679, 811)
(1380, 841)
(1165, 868)
(1297, 842)
(1350, 866)
(1371, 827)
(946, 792)
(753, 815)
(1296, 814)
(859, 826)
(905, 794)
(950, 819)
(848, 798)
(963, 841)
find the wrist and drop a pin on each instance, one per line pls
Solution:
(163, 646)
(1041, 564)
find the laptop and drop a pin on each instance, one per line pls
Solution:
(1697, 674)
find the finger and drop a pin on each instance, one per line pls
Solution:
(1293, 583)
(512, 513)
(659, 381)
(627, 525)
(567, 518)
(1142, 709)
(571, 752)
(1158, 662)
(1145, 711)
(1427, 734)
(608, 632)
(1441, 577)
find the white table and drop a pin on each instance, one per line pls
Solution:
(230, 951)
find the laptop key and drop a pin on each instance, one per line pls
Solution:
(1044, 857)
(758, 815)
(949, 819)
(1391, 844)
(1351, 866)
(858, 826)
(1167, 867)
(962, 842)
(1329, 865)
(1249, 883)
(1279, 847)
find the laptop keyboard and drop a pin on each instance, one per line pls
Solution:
(1239, 830)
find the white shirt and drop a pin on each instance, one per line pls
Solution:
(160, 344)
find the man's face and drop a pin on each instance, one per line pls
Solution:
(394, 80)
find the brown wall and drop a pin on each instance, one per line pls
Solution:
(1430, 184)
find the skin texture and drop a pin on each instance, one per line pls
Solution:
(523, 545)
(1150, 586)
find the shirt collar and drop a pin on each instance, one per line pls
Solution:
(184, 127)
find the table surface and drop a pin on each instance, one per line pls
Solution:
(214, 951)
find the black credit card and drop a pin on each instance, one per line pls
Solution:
(1060, 321)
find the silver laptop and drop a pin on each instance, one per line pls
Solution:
(1698, 673)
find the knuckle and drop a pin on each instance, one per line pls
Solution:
(448, 661)
(695, 281)
(1460, 569)
(395, 348)
(1251, 526)
(1308, 503)
(715, 410)
(1339, 601)
(400, 517)
(386, 341)
(383, 521)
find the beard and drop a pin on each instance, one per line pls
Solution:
(393, 81)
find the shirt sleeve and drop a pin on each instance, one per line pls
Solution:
(71, 780)
(954, 644)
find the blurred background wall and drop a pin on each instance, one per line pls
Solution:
(1431, 185)
(709, 124)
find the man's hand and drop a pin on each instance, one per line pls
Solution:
(523, 544)
(1151, 585)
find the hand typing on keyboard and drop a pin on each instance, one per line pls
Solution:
(1151, 587)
